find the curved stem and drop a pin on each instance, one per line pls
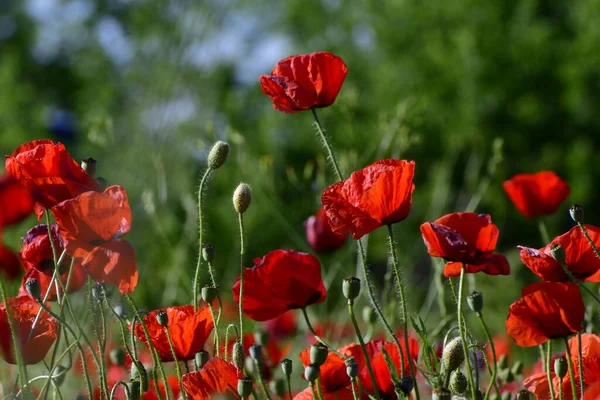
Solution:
(571, 368)
(227, 339)
(488, 336)
(327, 145)
(23, 379)
(261, 381)
(200, 237)
(177, 367)
(580, 365)
(549, 369)
(114, 390)
(218, 319)
(318, 338)
(463, 334)
(241, 302)
(289, 387)
(589, 239)
(362, 346)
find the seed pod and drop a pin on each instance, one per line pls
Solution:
(558, 253)
(244, 387)
(162, 318)
(576, 212)
(208, 293)
(453, 355)
(523, 395)
(256, 352)
(89, 166)
(475, 302)
(33, 288)
(351, 367)
(238, 355)
(318, 354)
(242, 197)
(351, 287)
(405, 385)
(561, 367)
(311, 372)
(218, 155)
(287, 367)
(458, 382)
(208, 253)
(201, 358)
(117, 356)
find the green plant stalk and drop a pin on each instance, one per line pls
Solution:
(200, 238)
(363, 347)
(115, 387)
(560, 389)
(542, 356)
(121, 324)
(101, 335)
(580, 365)
(218, 320)
(402, 296)
(289, 387)
(488, 336)
(319, 389)
(543, 231)
(319, 338)
(22, 376)
(177, 367)
(571, 368)
(241, 302)
(215, 331)
(226, 350)
(261, 381)
(549, 368)
(314, 392)
(354, 394)
(463, 333)
(589, 239)
(327, 145)
(66, 351)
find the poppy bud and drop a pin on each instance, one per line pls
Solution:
(523, 395)
(560, 367)
(318, 354)
(475, 302)
(208, 293)
(453, 355)
(256, 352)
(89, 166)
(218, 155)
(238, 355)
(277, 386)
(162, 318)
(405, 385)
(102, 183)
(119, 309)
(369, 315)
(134, 389)
(201, 358)
(117, 356)
(58, 377)
(242, 197)
(139, 373)
(458, 382)
(244, 387)
(558, 253)
(311, 372)
(97, 293)
(517, 368)
(33, 288)
(576, 212)
(351, 287)
(503, 362)
(261, 337)
(351, 367)
(287, 367)
(208, 253)
(441, 394)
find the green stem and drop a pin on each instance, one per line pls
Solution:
(218, 320)
(177, 367)
(101, 336)
(241, 302)
(549, 369)
(589, 239)
(362, 346)
(319, 389)
(463, 334)
(200, 237)
(543, 231)
(488, 336)
(580, 365)
(560, 389)
(226, 350)
(289, 387)
(354, 394)
(114, 390)
(314, 393)
(261, 381)
(215, 331)
(571, 368)
(542, 357)
(318, 338)
(22, 376)
(327, 145)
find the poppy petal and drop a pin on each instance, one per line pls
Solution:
(113, 263)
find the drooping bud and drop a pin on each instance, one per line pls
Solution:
(201, 358)
(351, 367)
(441, 394)
(369, 315)
(405, 385)
(117, 356)
(458, 382)
(256, 352)
(33, 288)
(561, 367)
(287, 367)
(218, 155)
(139, 373)
(244, 387)
(311, 372)
(242, 197)
(318, 353)
(89, 166)
(261, 337)
(576, 212)
(351, 287)
(475, 302)
(120, 311)
(208, 253)
(238, 356)
(162, 318)
(558, 253)
(277, 386)
(453, 355)
(208, 293)
(523, 395)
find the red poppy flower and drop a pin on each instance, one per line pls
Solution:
(50, 172)
(189, 331)
(216, 377)
(465, 238)
(547, 310)
(9, 263)
(282, 327)
(304, 81)
(332, 374)
(592, 392)
(377, 195)
(536, 194)
(342, 394)
(281, 280)
(16, 201)
(319, 234)
(38, 261)
(93, 225)
(581, 259)
(23, 311)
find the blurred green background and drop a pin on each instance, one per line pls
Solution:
(474, 91)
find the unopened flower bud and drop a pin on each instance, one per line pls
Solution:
(351, 367)
(256, 352)
(458, 382)
(208, 293)
(453, 355)
(162, 318)
(242, 197)
(117, 356)
(218, 155)
(139, 373)
(558, 253)
(33, 288)
(89, 166)
(405, 385)
(523, 395)
(318, 354)
(277, 386)
(244, 387)
(208, 253)
(351, 287)
(238, 356)
(369, 315)
(517, 368)
(561, 367)
(261, 337)
(576, 212)
(201, 358)
(287, 367)
(311, 372)
(441, 394)
(475, 302)
(120, 311)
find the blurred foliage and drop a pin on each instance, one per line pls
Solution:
(475, 92)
